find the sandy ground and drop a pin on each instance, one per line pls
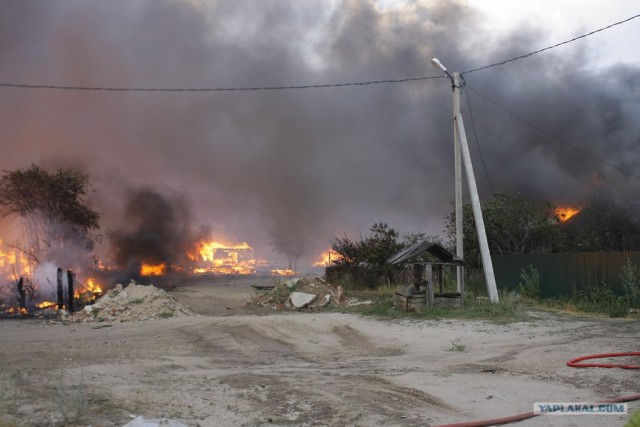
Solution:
(231, 366)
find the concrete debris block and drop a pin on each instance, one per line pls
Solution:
(293, 282)
(116, 290)
(325, 294)
(302, 299)
(103, 302)
(325, 301)
(163, 422)
(355, 303)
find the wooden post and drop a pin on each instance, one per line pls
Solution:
(60, 291)
(440, 278)
(429, 278)
(70, 290)
(21, 295)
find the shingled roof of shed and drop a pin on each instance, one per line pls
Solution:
(418, 248)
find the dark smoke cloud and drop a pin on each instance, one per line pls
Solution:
(305, 165)
(157, 230)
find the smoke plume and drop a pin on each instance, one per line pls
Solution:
(157, 230)
(299, 166)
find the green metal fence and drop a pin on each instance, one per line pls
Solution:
(566, 273)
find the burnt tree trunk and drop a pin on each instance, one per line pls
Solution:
(70, 291)
(22, 301)
(60, 290)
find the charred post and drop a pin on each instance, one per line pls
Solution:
(70, 280)
(22, 301)
(60, 290)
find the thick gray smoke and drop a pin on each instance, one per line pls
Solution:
(302, 166)
(156, 230)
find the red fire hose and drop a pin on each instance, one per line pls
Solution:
(574, 363)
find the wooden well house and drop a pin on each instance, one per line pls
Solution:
(425, 263)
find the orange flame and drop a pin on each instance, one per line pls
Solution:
(207, 251)
(565, 212)
(153, 269)
(14, 262)
(46, 304)
(215, 257)
(327, 258)
(91, 288)
(16, 310)
(287, 272)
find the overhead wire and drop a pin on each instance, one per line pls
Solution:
(549, 47)
(475, 135)
(294, 87)
(552, 136)
(214, 89)
(365, 83)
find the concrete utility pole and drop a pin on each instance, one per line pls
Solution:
(461, 150)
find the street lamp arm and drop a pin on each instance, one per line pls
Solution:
(437, 64)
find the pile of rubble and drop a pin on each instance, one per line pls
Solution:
(307, 293)
(135, 302)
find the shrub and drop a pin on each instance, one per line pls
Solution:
(529, 286)
(474, 283)
(630, 276)
(602, 299)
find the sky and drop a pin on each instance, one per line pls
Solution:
(301, 167)
(563, 20)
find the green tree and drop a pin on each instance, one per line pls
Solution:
(373, 251)
(604, 225)
(514, 224)
(51, 208)
(349, 251)
(370, 254)
(519, 225)
(380, 245)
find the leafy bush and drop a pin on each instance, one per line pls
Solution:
(630, 276)
(529, 286)
(602, 299)
(509, 309)
(70, 399)
(282, 292)
(474, 283)
(457, 345)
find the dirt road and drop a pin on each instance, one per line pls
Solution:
(233, 367)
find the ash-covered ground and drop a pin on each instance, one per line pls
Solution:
(233, 364)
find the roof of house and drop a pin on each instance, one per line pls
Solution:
(418, 248)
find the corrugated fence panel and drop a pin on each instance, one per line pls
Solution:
(566, 273)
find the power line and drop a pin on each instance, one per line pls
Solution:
(294, 87)
(475, 134)
(550, 135)
(223, 89)
(550, 47)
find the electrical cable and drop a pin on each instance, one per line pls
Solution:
(572, 363)
(264, 88)
(549, 47)
(475, 135)
(550, 135)
(221, 89)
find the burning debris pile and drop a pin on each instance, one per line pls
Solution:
(309, 293)
(135, 302)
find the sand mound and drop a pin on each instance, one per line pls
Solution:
(135, 302)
